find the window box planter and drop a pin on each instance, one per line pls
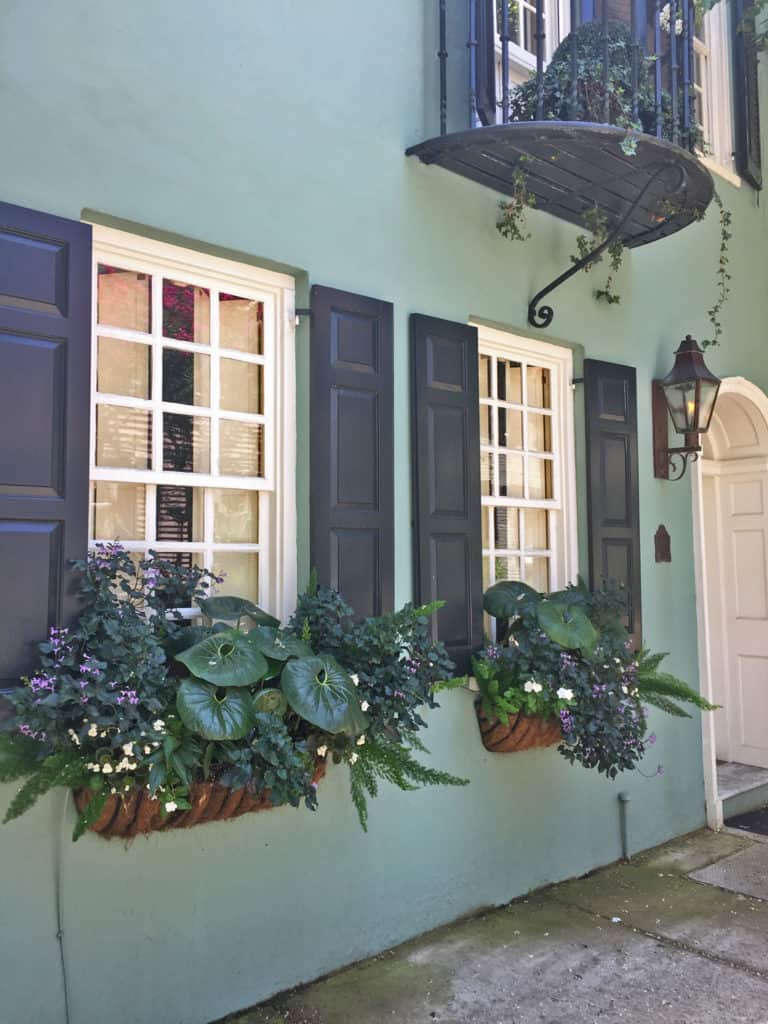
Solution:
(522, 732)
(138, 813)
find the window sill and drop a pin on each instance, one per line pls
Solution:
(721, 171)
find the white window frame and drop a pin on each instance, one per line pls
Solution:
(277, 503)
(718, 92)
(558, 360)
(521, 62)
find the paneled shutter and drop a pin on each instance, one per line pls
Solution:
(486, 63)
(612, 481)
(45, 345)
(445, 446)
(351, 448)
(746, 103)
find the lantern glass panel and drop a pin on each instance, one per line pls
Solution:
(707, 396)
(681, 402)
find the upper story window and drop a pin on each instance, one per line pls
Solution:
(526, 461)
(193, 413)
(523, 44)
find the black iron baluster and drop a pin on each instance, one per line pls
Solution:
(573, 113)
(635, 61)
(657, 67)
(687, 133)
(540, 37)
(693, 97)
(673, 69)
(472, 46)
(606, 94)
(442, 55)
(505, 60)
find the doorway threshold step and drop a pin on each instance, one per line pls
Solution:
(741, 787)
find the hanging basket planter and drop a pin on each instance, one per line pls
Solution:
(522, 732)
(138, 813)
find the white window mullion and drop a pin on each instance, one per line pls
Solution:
(157, 373)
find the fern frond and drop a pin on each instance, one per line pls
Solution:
(647, 662)
(91, 813)
(63, 768)
(670, 686)
(450, 684)
(17, 757)
(664, 704)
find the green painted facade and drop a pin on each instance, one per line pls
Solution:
(275, 133)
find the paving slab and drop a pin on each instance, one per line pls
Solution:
(630, 943)
(744, 872)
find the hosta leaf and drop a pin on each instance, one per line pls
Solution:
(509, 598)
(214, 713)
(226, 659)
(232, 608)
(321, 692)
(567, 625)
(271, 700)
(278, 646)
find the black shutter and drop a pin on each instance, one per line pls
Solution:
(486, 63)
(746, 108)
(45, 345)
(351, 448)
(610, 396)
(445, 446)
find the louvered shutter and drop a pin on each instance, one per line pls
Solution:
(351, 448)
(45, 345)
(445, 448)
(746, 101)
(612, 481)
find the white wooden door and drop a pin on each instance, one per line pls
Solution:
(743, 508)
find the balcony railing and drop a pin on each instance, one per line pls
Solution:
(610, 121)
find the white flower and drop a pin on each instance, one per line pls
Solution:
(147, 750)
(361, 741)
(364, 706)
(322, 751)
(74, 737)
(107, 769)
(93, 730)
(113, 790)
(94, 766)
(159, 725)
(533, 687)
(624, 689)
(128, 749)
(564, 693)
(103, 734)
(354, 758)
(355, 679)
(170, 806)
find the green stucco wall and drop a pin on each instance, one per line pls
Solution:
(276, 132)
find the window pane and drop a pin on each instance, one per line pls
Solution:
(124, 298)
(186, 378)
(119, 511)
(485, 376)
(179, 515)
(236, 517)
(539, 390)
(184, 559)
(123, 437)
(123, 368)
(486, 573)
(485, 424)
(511, 476)
(241, 324)
(536, 529)
(510, 429)
(509, 381)
(241, 450)
(537, 573)
(240, 571)
(242, 386)
(539, 432)
(186, 312)
(506, 531)
(540, 478)
(507, 567)
(486, 473)
(186, 443)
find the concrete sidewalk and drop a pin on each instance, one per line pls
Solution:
(634, 942)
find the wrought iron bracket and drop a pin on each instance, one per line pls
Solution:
(680, 456)
(542, 316)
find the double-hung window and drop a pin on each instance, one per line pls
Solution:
(523, 43)
(192, 446)
(526, 461)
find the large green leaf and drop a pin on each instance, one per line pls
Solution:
(278, 646)
(321, 692)
(567, 625)
(214, 713)
(509, 598)
(271, 700)
(232, 608)
(226, 659)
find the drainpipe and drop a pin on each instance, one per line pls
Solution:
(623, 815)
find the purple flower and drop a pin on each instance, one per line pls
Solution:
(650, 740)
(492, 652)
(152, 578)
(42, 684)
(660, 770)
(129, 696)
(566, 720)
